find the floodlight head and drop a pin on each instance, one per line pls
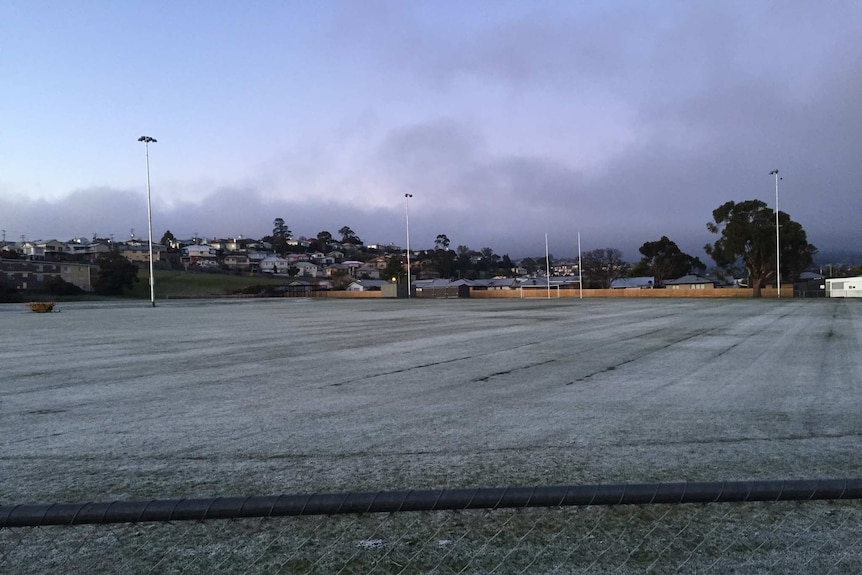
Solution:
(408, 195)
(773, 172)
(147, 139)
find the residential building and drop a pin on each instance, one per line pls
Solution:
(690, 281)
(306, 269)
(273, 264)
(642, 282)
(203, 255)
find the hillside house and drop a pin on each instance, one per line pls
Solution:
(202, 255)
(690, 281)
(273, 264)
(306, 269)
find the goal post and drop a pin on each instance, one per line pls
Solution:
(544, 291)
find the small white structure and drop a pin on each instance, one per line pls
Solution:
(844, 287)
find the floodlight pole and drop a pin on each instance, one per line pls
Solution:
(580, 271)
(146, 140)
(548, 266)
(407, 215)
(777, 239)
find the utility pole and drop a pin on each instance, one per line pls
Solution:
(146, 140)
(777, 238)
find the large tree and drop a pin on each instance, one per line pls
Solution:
(116, 274)
(166, 240)
(280, 234)
(394, 269)
(603, 266)
(442, 242)
(348, 236)
(663, 260)
(324, 238)
(747, 231)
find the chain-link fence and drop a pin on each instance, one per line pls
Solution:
(748, 527)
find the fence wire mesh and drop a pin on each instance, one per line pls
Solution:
(760, 537)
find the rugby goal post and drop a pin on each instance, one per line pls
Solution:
(539, 291)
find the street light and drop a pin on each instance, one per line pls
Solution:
(777, 241)
(146, 140)
(407, 214)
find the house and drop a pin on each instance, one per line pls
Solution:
(367, 272)
(273, 264)
(336, 269)
(844, 287)
(32, 251)
(306, 269)
(380, 262)
(419, 285)
(54, 249)
(238, 261)
(87, 251)
(642, 282)
(495, 284)
(366, 285)
(303, 243)
(202, 255)
(31, 275)
(139, 252)
(690, 281)
(293, 258)
(321, 259)
(28, 274)
(81, 275)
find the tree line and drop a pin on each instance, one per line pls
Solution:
(745, 245)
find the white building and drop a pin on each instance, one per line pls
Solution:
(844, 287)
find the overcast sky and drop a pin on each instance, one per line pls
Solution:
(623, 121)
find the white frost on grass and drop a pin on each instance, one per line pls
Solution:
(198, 399)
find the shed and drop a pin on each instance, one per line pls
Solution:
(844, 287)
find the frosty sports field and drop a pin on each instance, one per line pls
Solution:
(205, 398)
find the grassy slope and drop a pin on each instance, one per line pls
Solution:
(182, 284)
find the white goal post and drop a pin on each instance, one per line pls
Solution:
(539, 291)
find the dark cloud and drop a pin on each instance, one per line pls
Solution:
(622, 121)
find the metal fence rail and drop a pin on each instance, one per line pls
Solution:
(732, 527)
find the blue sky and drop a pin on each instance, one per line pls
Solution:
(625, 121)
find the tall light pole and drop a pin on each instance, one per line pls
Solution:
(777, 240)
(146, 140)
(407, 214)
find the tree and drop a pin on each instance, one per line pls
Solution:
(663, 260)
(529, 265)
(507, 266)
(167, 239)
(280, 234)
(324, 238)
(348, 236)
(116, 274)
(442, 242)
(603, 266)
(747, 231)
(394, 269)
(464, 262)
(56, 285)
(488, 264)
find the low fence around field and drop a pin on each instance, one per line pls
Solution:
(540, 292)
(754, 526)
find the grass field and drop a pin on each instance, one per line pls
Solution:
(183, 284)
(118, 400)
